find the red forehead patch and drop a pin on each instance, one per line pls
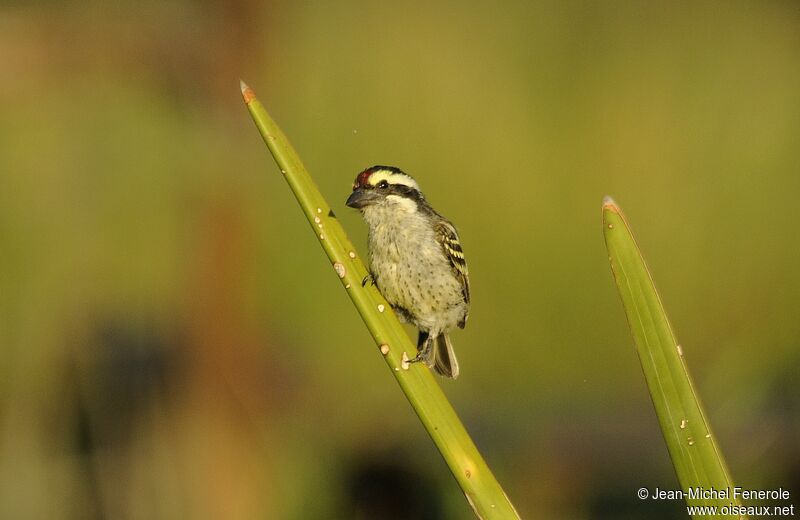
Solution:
(362, 179)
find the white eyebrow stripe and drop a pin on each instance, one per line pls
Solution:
(392, 178)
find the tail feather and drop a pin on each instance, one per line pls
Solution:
(445, 362)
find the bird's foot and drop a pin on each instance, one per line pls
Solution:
(369, 278)
(416, 359)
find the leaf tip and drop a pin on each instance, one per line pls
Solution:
(610, 209)
(609, 203)
(247, 92)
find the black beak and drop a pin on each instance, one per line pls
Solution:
(361, 198)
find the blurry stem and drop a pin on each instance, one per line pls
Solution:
(482, 490)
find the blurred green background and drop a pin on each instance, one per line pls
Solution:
(175, 344)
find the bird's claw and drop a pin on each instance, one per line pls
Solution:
(416, 359)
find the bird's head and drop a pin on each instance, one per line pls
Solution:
(384, 185)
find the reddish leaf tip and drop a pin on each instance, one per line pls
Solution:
(610, 204)
(247, 92)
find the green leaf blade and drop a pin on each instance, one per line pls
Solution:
(692, 447)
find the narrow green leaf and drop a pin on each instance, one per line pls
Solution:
(482, 490)
(693, 448)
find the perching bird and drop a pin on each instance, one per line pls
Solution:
(416, 261)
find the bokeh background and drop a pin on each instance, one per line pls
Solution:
(175, 344)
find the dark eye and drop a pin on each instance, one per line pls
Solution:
(383, 185)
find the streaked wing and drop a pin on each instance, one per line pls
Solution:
(447, 236)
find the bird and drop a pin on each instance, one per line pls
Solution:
(416, 261)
